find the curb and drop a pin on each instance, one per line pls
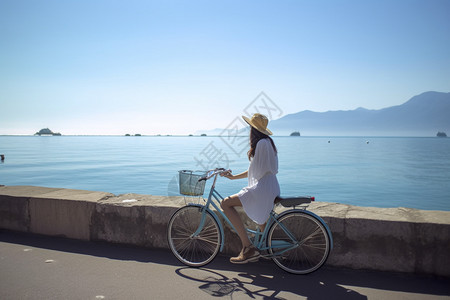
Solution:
(383, 239)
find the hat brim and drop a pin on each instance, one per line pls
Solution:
(266, 131)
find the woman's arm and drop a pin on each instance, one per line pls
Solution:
(238, 176)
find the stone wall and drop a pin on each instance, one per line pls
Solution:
(386, 239)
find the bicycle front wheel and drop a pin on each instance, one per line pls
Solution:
(299, 243)
(193, 250)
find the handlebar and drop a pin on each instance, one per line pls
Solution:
(212, 173)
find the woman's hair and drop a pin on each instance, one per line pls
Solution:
(255, 137)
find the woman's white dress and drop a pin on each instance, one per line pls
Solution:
(258, 198)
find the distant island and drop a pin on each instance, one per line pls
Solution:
(295, 133)
(46, 131)
(441, 134)
(422, 115)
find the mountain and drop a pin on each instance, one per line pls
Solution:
(422, 115)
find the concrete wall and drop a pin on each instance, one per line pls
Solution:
(388, 239)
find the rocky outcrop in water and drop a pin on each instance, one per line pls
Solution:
(46, 131)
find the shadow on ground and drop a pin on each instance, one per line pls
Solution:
(265, 280)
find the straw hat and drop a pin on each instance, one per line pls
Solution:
(259, 122)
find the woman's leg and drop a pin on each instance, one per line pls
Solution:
(228, 205)
(262, 227)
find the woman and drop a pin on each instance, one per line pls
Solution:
(257, 199)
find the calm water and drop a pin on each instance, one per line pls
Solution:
(380, 172)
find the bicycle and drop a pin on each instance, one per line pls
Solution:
(297, 240)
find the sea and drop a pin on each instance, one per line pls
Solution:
(411, 172)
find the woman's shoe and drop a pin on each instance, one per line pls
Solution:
(248, 254)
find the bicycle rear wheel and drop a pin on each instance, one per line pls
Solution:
(192, 250)
(299, 242)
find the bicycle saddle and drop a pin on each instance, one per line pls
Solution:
(293, 201)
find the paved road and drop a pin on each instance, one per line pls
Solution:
(37, 267)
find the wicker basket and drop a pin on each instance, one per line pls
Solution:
(189, 184)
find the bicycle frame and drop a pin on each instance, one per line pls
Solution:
(260, 238)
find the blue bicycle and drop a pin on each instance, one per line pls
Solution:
(297, 240)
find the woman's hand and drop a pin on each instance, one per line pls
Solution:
(227, 174)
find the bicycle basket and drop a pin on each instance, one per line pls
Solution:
(189, 184)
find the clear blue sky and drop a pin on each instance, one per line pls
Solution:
(173, 67)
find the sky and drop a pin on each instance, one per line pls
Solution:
(176, 67)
